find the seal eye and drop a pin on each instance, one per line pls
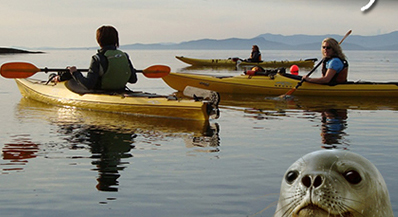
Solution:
(352, 177)
(291, 176)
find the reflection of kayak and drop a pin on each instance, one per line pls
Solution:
(129, 102)
(278, 84)
(107, 121)
(150, 128)
(251, 103)
(233, 62)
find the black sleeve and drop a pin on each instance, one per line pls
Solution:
(256, 57)
(133, 78)
(90, 81)
(64, 76)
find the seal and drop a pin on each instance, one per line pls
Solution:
(334, 183)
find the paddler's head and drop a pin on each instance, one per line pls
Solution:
(331, 48)
(107, 36)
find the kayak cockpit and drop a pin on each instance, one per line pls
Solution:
(76, 87)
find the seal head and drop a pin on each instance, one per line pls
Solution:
(334, 183)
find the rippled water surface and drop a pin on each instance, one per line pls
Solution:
(69, 162)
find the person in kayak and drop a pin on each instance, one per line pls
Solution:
(335, 65)
(255, 55)
(110, 68)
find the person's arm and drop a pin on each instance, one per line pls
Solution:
(333, 67)
(92, 75)
(322, 80)
(133, 76)
(256, 57)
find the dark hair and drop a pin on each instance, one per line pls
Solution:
(256, 47)
(107, 35)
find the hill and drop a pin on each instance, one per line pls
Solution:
(280, 42)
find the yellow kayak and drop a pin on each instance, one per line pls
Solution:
(233, 62)
(276, 84)
(138, 103)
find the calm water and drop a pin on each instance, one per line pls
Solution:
(81, 163)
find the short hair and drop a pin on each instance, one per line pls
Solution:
(335, 47)
(107, 35)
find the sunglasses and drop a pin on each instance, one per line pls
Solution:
(326, 47)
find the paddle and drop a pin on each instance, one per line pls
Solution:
(291, 91)
(25, 70)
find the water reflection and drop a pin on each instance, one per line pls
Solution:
(334, 122)
(108, 149)
(330, 113)
(17, 153)
(209, 142)
(308, 103)
(111, 138)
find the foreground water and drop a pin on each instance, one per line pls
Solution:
(69, 162)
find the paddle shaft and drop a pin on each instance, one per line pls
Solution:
(25, 70)
(309, 73)
(67, 70)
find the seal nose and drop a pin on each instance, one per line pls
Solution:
(309, 181)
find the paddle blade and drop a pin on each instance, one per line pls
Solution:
(290, 92)
(18, 70)
(156, 71)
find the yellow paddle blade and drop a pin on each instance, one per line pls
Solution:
(18, 70)
(156, 71)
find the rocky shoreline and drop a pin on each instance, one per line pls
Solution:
(13, 51)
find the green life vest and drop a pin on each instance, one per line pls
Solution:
(118, 73)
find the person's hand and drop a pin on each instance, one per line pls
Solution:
(53, 77)
(56, 79)
(72, 69)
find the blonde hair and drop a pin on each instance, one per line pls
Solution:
(335, 46)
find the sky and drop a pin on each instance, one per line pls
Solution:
(72, 23)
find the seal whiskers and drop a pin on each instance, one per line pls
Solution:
(289, 207)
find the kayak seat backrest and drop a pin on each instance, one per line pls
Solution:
(75, 87)
(259, 71)
(222, 76)
(296, 77)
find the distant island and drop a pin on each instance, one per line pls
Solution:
(13, 51)
(269, 41)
